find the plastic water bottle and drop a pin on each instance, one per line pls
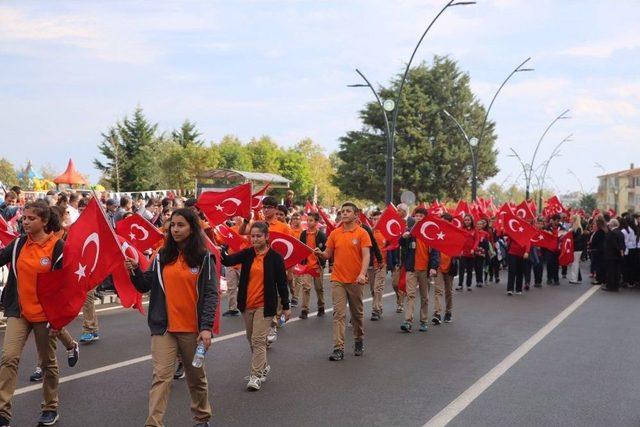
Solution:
(282, 321)
(198, 358)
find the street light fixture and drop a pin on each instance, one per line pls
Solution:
(391, 129)
(472, 143)
(554, 153)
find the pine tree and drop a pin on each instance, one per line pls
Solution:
(187, 135)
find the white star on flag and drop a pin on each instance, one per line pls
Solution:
(219, 208)
(440, 235)
(80, 273)
(132, 236)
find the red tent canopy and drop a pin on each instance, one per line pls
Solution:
(71, 176)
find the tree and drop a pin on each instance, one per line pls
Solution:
(588, 202)
(180, 165)
(321, 171)
(48, 172)
(187, 135)
(8, 174)
(265, 154)
(234, 155)
(432, 159)
(294, 166)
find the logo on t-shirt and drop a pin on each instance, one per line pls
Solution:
(45, 261)
(355, 241)
(194, 270)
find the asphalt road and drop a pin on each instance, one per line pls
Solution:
(584, 373)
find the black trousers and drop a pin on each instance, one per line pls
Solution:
(537, 273)
(479, 268)
(494, 268)
(466, 267)
(551, 259)
(598, 262)
(515, 265)
(526, 271)
(613, 273)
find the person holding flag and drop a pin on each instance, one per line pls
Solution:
(38, 251)
(378, 268)
(262, 285)
(467, 258)
(444, 284)
(183, 287)
(314, 238)
(232, 275)
(349, 245)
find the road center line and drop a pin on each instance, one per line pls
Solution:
(453, 409)
(141, 359)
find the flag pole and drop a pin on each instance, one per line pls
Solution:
(104, 215)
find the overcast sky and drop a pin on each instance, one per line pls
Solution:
(71, 69)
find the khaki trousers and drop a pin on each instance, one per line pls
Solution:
(298, 284)
(377, 279)
(15, 336)
(66, 339)
(444, 282)
(90, 322)
(341, 293)
(395, 278)
(257, 327)
(307, 282)
(417, 280)
(164, 349)
(233, 278)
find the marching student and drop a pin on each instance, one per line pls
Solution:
(536, 258)
(444, 284)
(38, 251)
(349, 246)
(467, 258)
(579, 246)
(314, 238)
(377, 268)
(421, 263)
(263, 283)
(232, 275)
(183, 287)
(481, 252)
(516, 256)
(296, 231)
(393, 258)
(551, 256)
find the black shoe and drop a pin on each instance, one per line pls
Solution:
(304, 314)
(179, 373)
(447, 318)
(336, 355)
(436, 320)
(556, 283)
(294, 302)
(526, 287)
(469, 288)
(321, 312)
(48, 418)
(36, 376)
(231, 313)
(375, 317)
(548, 282)
(537, 285)
(497, 280)
(359, 350)
(478, 285)
(73, 355)
(4, 422)
(459, 288)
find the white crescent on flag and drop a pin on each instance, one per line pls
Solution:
(425, 226)
(288, 245)
(95, 239)
(519, 230)
(233, 200)
(567, 246)
(538, 238)
(456, 221)
(132, 235)
(130, 251)
(521, 213)
(393, 221)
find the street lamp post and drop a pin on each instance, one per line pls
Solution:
(562, 116)
(395, 106)
(554, 153)
(472, 143)
(570, 172)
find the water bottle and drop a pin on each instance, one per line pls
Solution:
(198, 358)
(282, 320)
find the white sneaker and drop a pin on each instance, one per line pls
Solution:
(272, 336)
(263, 376)
(254, 383)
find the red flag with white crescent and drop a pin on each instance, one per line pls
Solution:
(442, 235)
(219, 206)
(216, 255)
(256, 198)
(128, 294)
(518, 229)
(292, 250)
(327, 221)
(566, 249)
(139, 232)
(545, 239)
(523, 210)
(235, 241)
(6, 237)
(391, 225)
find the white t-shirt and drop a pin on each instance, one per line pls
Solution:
(73, 213)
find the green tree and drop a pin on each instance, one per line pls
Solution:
(321, 171)
(294, 166)
(181, 165)
(47, 171)
(588, 202)
(8, 174)
(431, 157)
(265, 154)
(234, 155)
(187, 135)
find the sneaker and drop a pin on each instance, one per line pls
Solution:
(509, 293)
(498, 280)
(304, 314)
(48, 418)
(281, 321)
(359, 348)
(469, 289)
(254, 383)
(424, 326)
(375, 317)
(447, 318)
(86, 337)
(478, 285)
(4, 422)
(399, 309)
(336, 355)
(95, 336)
(36, 376)
(519, 293)
(459, 288)
(179, 373)
(537, 285)
(321, 312)
(436, 319)
(406, 326)
(526, 287)
(231, 313)
(294, 302)
(73, 355)
(272, 336)
(264, 373)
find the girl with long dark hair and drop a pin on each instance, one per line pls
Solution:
(183, 288)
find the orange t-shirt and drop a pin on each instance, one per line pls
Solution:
(422, 256)
(347, 253)
(280, 227)
(255, 288)
(34, 258)
(312, 260)
(296, 232)
(445, 263)
(181, 292)
(377, 234)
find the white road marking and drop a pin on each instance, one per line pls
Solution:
(458, 405)
(129, 362)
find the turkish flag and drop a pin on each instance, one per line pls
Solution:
(308, 207)
(139, 232)
(301, 270)
(545, 239)
(91, 252)
(391, 225)
(216, 255)
(327, 221)
(518, 229)
(462, 208)
(458, 220)
(13, 222)
(3, 224)
(364, 220)
(402, 281)
(256, 198)
(219, 206)
(6, 237)
(566, 249)
(523, 210)
(436, 208)
(235, 241)
(442, 235)
(292, 250)
(128, 294)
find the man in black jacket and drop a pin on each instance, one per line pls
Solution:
(613, 252)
